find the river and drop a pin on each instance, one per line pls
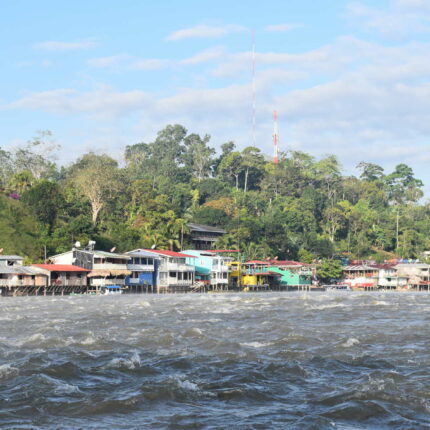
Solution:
(336, 360)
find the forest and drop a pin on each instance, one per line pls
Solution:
(300, 209)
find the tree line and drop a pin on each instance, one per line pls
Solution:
(302, 208)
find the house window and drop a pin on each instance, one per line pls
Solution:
(135, 275)
(185, 276)
(179, 276)
(172, 274)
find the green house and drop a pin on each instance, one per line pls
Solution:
(293, 273)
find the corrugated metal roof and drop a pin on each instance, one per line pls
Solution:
(11, 257)
(61, 268)
(285, 263)
(223, 250)
(19, 270)
(109, 254)
(359, 267)
(170, 253)
(205, 228)
(140, 253)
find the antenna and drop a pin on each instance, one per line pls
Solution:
(275, 138)
(253, 91)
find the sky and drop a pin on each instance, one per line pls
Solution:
(347, 78)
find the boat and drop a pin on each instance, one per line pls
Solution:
(112, 289)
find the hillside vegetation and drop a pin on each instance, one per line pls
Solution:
(302, 208)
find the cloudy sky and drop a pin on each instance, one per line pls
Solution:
(349, 78)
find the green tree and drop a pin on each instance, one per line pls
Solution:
(96, 177)
(45, 200)
(329, 271)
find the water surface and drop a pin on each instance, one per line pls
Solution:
(245, 361)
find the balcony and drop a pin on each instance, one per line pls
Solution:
(109, 266)
(101, 282)
(176, 267)
(223, 269)
(140, 267)
(19, 283)
(172, 282)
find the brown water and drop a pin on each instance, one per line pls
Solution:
(244, 361)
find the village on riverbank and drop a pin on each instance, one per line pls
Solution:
(85, 270)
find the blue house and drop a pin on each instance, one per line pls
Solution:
(144, 268)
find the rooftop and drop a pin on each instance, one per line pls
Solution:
(109, 254)
(10, 257)
(140, 253)
(19, 270)
(205, 228)
(60, 267)
(169, 253)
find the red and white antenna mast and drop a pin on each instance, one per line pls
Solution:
(254, 103)
(275, 138)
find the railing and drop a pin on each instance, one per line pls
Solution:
(19, 283)
(218, 268)
(100, 282)
(109, 266)
(69, 282)
(305, 272)
(173, 282)
(178, 267)
(141, 267)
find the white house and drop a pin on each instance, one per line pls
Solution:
(106, 268)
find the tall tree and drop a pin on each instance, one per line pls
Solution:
(97, 178)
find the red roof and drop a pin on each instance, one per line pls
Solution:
(61, 268)
(257, 262)
(170, 253)
(285, 263)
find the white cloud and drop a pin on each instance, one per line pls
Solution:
(358, 99)
(206, 55)
(414, 4)
(281, 28)
(52, 45)
(404, 17)
(204, 31)
(102, 102)
(128, 62)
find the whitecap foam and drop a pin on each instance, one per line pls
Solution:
(187, 385)
(7, 371)
(129, 363)
(256, 344)
(36, 337)
(350, 342)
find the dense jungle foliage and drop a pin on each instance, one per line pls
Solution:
(302, 208)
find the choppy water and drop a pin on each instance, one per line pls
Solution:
(244, 361)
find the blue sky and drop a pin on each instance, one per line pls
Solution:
(349, 78)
